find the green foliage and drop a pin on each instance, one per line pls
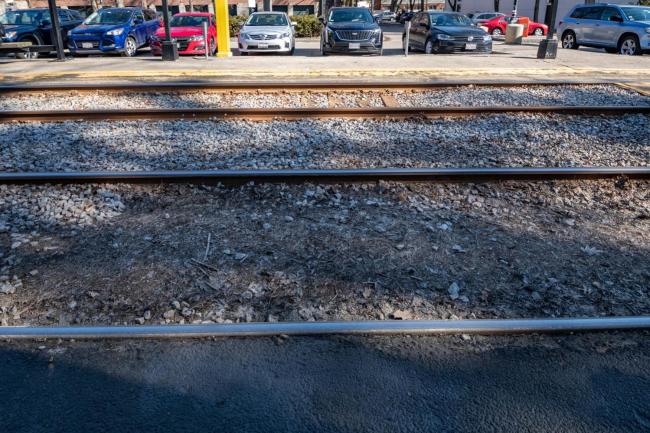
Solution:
(236, 24)
(307, 26)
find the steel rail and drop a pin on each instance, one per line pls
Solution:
(306, 113)
(371, 327)
(352, 85)
(325, 175)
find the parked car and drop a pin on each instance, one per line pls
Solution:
(482, 17)
(114, 30)
(385, 16)
(440, 32)
(35, 26)
(616, 28)
(497, 27)
(267, 32)
(187, 30)
(351, 30)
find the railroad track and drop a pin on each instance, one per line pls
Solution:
(307, 113)
(326, 176)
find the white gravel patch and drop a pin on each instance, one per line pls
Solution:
(452, 96)
(496, 140)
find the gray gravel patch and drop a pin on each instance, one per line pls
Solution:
(452, 96)
(483, 141)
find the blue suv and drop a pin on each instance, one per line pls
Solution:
(616, 28)
(114, 30)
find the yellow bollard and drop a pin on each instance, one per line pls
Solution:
(223, 28)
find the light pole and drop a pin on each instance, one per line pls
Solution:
(56, 30)
(548, 47)
(169, 48)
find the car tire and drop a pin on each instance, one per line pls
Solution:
(27, 55)
(629, 45)
(569, 41)
(430, 47)
(130, 47)
(497, 32)
(539, 31)
(243, 53)
(611, 50)
(322, 49)
(213, 47)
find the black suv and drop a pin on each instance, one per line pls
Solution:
(35, 26)
(351, 30)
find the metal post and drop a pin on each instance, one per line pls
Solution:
(223, 28)
(268, 5)
(548, 47)
(56, 30)
(169, 48)
(206, 41)
(407, 29)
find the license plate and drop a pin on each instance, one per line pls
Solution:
(86, 45)
(262, 45)
(355, 45)
(470, 46)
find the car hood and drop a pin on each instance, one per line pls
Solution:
(180, 31)
(264, 29)
(96, 28)
(461, 30)
(353, 26)
(18, 28)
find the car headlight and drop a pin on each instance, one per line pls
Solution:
(647, 29)
(115, 32)
(443, 37)
(487, 38)
(243, 35)
(196, 38)
(284, 35)
(10, 35)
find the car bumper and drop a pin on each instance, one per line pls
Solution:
(461, 46)
(105, 44)
(645, 42)
(193, 48)
(365, 47)
(273, 46)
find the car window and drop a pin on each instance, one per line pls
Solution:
(360, 15)
(109, 16)
(187, 21)
(24, 17)
(267, 20)
(450, 20)
(149, 15)
(579, 12)
(637, 13)
(610, 12)
(63, 15)
(593, 13)
(137, 15)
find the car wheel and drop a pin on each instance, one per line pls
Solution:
(539, 31)
(322, 49)
(428, 47)
(130, 47)
(611, 50)
(569, 41)
(243, 53)
(291, 51)
(629, 46)
(27, 55)
(497, 31)
(213, 47)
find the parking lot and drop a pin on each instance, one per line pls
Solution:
(511, 62)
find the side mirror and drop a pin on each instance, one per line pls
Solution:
(322, 20)
(137, 21)
(45, 23)
(616, 18)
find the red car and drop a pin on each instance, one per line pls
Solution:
(497, 26)
(187, 30)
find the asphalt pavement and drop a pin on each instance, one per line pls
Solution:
(582, 383)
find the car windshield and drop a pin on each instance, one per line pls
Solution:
(360, 15)
(637, 14)
(187, 21)
(450, 20)
(267, 20)
(108, 16)
(29, 18)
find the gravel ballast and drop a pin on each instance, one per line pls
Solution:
(596, 95)
(481, 141)
(181, 254)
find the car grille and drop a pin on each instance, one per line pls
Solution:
(259, 37)
(269, 47)
(355, 35)
(467, 38)
(183, 43)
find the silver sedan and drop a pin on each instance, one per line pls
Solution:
(267, 32)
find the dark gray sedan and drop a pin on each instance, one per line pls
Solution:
(446, 32)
